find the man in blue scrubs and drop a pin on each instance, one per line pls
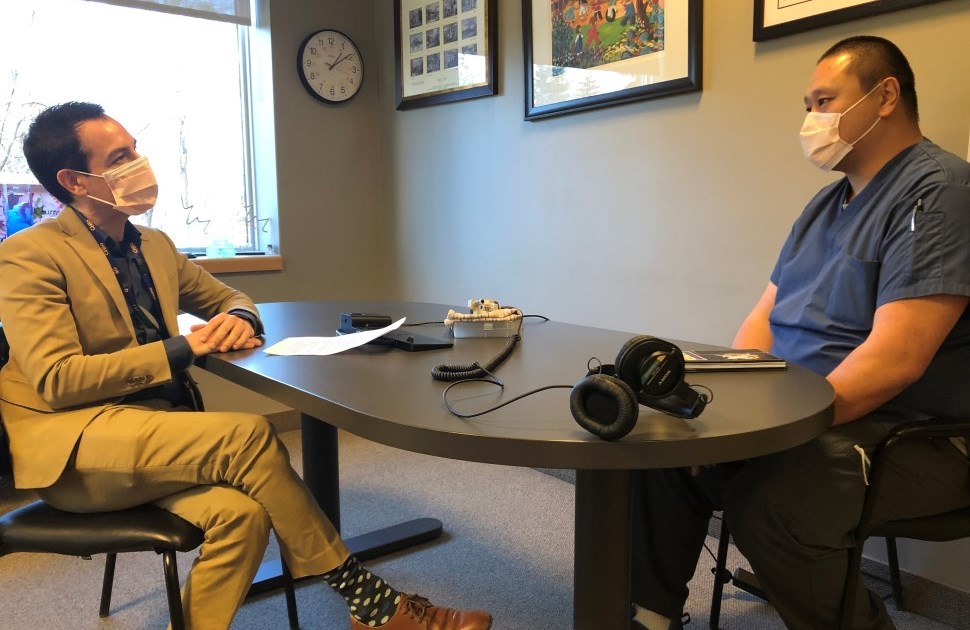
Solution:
(870, 290)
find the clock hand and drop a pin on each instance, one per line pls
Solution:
(339, 60)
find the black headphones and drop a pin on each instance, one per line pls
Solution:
(647, 371)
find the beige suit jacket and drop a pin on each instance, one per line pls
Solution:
(73, 350)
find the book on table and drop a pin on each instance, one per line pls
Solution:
(730, 359)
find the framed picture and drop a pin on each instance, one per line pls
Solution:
(585, 54)
(778, 18)
(446, 50)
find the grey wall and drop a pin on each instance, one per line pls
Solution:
(662, 217)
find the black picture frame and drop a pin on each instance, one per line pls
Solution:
(626, 73)
(438, 51)
(770, 25)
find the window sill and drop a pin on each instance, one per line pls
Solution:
(240, 264)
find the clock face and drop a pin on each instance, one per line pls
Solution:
(330, 66)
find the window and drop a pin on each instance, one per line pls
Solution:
(176, 78)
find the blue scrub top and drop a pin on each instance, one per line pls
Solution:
(906, 235)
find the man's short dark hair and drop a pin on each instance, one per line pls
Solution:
(874, 59)
(52, 143)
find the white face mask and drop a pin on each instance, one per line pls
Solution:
(132, 185)
(821, 142)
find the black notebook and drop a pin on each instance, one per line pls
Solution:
(709, 360)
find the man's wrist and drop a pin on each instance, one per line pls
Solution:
(251, 318)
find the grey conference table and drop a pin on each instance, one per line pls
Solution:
(387, 395)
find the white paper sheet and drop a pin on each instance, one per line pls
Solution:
(321, 346)
(186, 321)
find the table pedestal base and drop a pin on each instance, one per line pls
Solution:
(321, 473)
(366, 547)
(601, 578)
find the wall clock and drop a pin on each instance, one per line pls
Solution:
(330, 66)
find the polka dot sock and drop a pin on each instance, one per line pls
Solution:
(372, 601)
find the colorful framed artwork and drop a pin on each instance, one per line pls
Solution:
(778, 18)
(445, 50)
(585, 54)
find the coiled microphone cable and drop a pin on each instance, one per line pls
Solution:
(467, 371)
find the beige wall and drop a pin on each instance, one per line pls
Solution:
(662, 217)
(325, 159)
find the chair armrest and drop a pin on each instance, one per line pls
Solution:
(936, 428)
(940, 428)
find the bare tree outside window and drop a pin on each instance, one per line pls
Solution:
(178, 85)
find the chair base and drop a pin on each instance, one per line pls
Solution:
(748, 581)
(173, 595)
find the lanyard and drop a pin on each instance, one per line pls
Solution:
(136, 309)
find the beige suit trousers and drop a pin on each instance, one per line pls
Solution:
(227, 473)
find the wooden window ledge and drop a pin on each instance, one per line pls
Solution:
(240, 264)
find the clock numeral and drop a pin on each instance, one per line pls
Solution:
(313, 51)
(309, 63)
(331, 41)
(343, 90)
(353, 69)
(332, 92)
(313, 76)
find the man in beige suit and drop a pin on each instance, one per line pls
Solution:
(95, 399)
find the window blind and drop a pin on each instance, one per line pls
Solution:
(235, 11)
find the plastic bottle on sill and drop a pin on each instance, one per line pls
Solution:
(220, 248)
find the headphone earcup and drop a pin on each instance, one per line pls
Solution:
(653, 367)
(630, 349)
(604, 405)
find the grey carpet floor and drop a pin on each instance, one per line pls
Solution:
(507, 548)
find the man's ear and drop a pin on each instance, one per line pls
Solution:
(890, 96)
(69, 180)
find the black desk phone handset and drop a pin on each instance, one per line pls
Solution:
(359, 322)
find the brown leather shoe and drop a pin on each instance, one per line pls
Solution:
(416, 613)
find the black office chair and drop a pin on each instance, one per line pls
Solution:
(39, 528)
(937, 528)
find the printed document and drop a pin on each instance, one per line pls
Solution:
(321, 346)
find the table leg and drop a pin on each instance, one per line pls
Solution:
(601, 580)
(321, 473)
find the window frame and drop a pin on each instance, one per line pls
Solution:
(254, 237)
